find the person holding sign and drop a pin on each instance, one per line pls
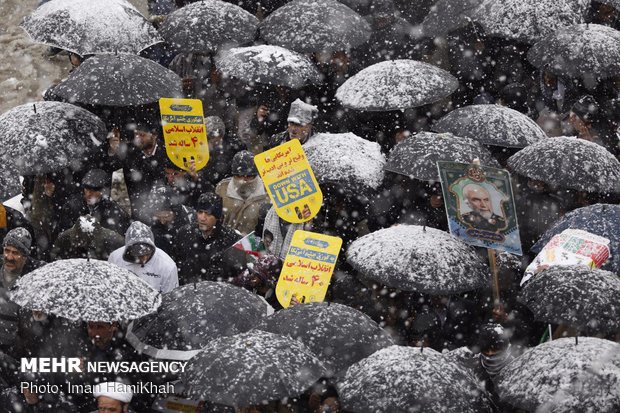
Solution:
(300, 125)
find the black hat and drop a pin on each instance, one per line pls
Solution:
(243, 164)
(96, 179)
(493, 337)
(586, 108)
(211, 203)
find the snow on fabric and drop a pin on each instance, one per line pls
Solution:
(528, 20)
(192, 315)
(269, 65)
(338, 334)
(580, 50)
(403, 379)
(87, 290)
(585, 299)
(345, 158)
(493, 125)
(569, 163)
(88, 27)
(41, 137)
(417, 155)
(563, 376)
(208, 25)
(252, 367)
(307, 26)
(447, 15)
(415, 258)
(87, 224)
(396, 84)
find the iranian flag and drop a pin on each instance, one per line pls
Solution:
(250, 244)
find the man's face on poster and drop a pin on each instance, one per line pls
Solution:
(478, 200)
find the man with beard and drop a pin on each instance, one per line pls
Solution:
(481, 215)
(242, 194)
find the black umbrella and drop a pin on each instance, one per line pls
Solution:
(415, 258)
(338, 334)
(119, 80)
(569, 163)
(250, 368)
(587, 300)
(410, 379)
(271, 65)
(564, 376)
(417, 155)
(9, 183)
(396, 84)
(307, 26)
(208, 25)
(448, 15)
(41, 137)
(89, 27)
(528, 21)
(87, 290)
(193, 315)
(492, 125)
(587, 51)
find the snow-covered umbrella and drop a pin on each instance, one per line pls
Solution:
(270, 65)
(41, 137)
(587, 300)
(599, 219)
(492, 125)
(528, 21)
(87, 290)
(193, 315)
(587, 51)
(564, 376)
(415, 258)
(417, 155)
(396, 84)
(338, 334)
(9, 183)
(208, 25)
(119, 80)
(569, 163)
(345, 158)
(249, 368)
(90, 27)
(447, 15)
(308, 26)
(410, 379)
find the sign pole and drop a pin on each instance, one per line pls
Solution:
(493, 264)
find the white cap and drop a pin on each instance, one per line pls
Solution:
(301, 112)
(114, 390)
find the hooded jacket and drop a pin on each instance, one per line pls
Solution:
(160, 271)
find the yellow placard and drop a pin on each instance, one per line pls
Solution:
(185, 133)
(290, 182)
(308, 268)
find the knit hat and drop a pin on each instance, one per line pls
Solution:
(301, 112)
(18, 238)
(243, 164)
(96, 179)
(114, 390)
(211, 203)
(215, 126)
(493, 337)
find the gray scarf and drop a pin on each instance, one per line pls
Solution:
(495, 363)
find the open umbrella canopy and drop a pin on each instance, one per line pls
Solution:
(119, 80)
(528, 21)
(307, 26)
(193, 315)
(563, 376)
(9, 183)
(587, 51)
(415, 258)
(347, 159)
(599, 219)
(338, 334)
(448, 15)
(417, 156)
(250, 368)
(87, 290)
(492, 125)
(569, 163)
(410, 379)
(42, 137)
(90, 27)
(271, 65)
(208, 25)
(396, 84)
(587, 300)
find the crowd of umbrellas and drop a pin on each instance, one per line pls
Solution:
(241, 353)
